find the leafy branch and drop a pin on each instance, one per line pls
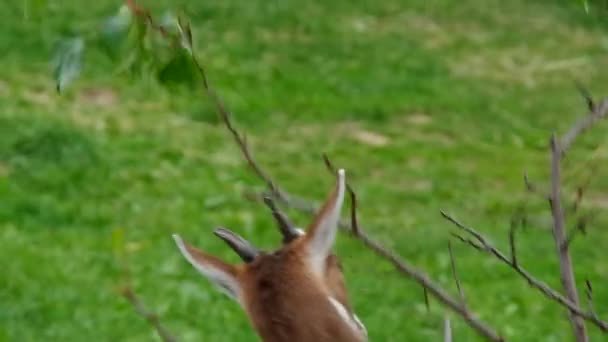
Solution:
(134, 43)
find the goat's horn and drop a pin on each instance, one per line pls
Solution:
(241, 246)
(288, 230)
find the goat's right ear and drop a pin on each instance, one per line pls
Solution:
(321, 234)
(221, 274)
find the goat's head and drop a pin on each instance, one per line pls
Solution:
(296, 293)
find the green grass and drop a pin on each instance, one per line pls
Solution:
(460, 96)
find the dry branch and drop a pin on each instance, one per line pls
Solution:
(597, 112)
(483, 244)
(559, 236)
(409, 270)
(401, 266)
(577, 316)
(455, 274)
(533, 188)
(151, 317)
(356, 231)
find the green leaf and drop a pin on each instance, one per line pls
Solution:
(67, 61)
(114, 32)
(178, 70)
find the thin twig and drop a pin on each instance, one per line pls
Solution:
(140, 11)
(589, 293)
(580, 228)
(305, 206)
(425, 294)
(405, 269)
(586, 95)
(533, 188)
(513, 243)
(455, 274)
(559, 235)
(221, 108)
(469, 242)
(356, 231)
(579, 197)
(546, 290)
(148, 315)
(597, 112)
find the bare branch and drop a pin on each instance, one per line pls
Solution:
(400, 265)
(408, 270)
(559, 235)
(589, 293)
(597, 112)
(579, 198)
(140, 11)
(538, 284)
(582, 187)
(455, 274)
(586, 95)
(427, 304)
(220, 107)
(421, 278)
(512, 243)
(580, 228)
(148, 315)
(469, 242)
(533, 188)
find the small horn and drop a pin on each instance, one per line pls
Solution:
(287, 228)
(241, 246)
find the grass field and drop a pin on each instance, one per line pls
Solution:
(429, 104)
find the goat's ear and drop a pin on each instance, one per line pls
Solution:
(321, 234)
(221, 274)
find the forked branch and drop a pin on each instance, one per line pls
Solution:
(481, 243)
(570, 301)
(356, 231)
(561, 245)
(599, 111)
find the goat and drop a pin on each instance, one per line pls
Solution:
(296, 293)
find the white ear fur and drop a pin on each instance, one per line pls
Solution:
(323, 235)
(350, 318)
(216, 271)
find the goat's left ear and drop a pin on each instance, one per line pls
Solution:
(321, 234)
(220, 273)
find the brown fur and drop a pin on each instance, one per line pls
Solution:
(283, 293)
(287, 302)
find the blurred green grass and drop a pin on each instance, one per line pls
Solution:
(429, 105)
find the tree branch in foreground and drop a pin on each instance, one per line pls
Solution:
(455, 274)
(304, 206)
(356, 231)
(483, 244)
(561, 238)
(151, 317)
